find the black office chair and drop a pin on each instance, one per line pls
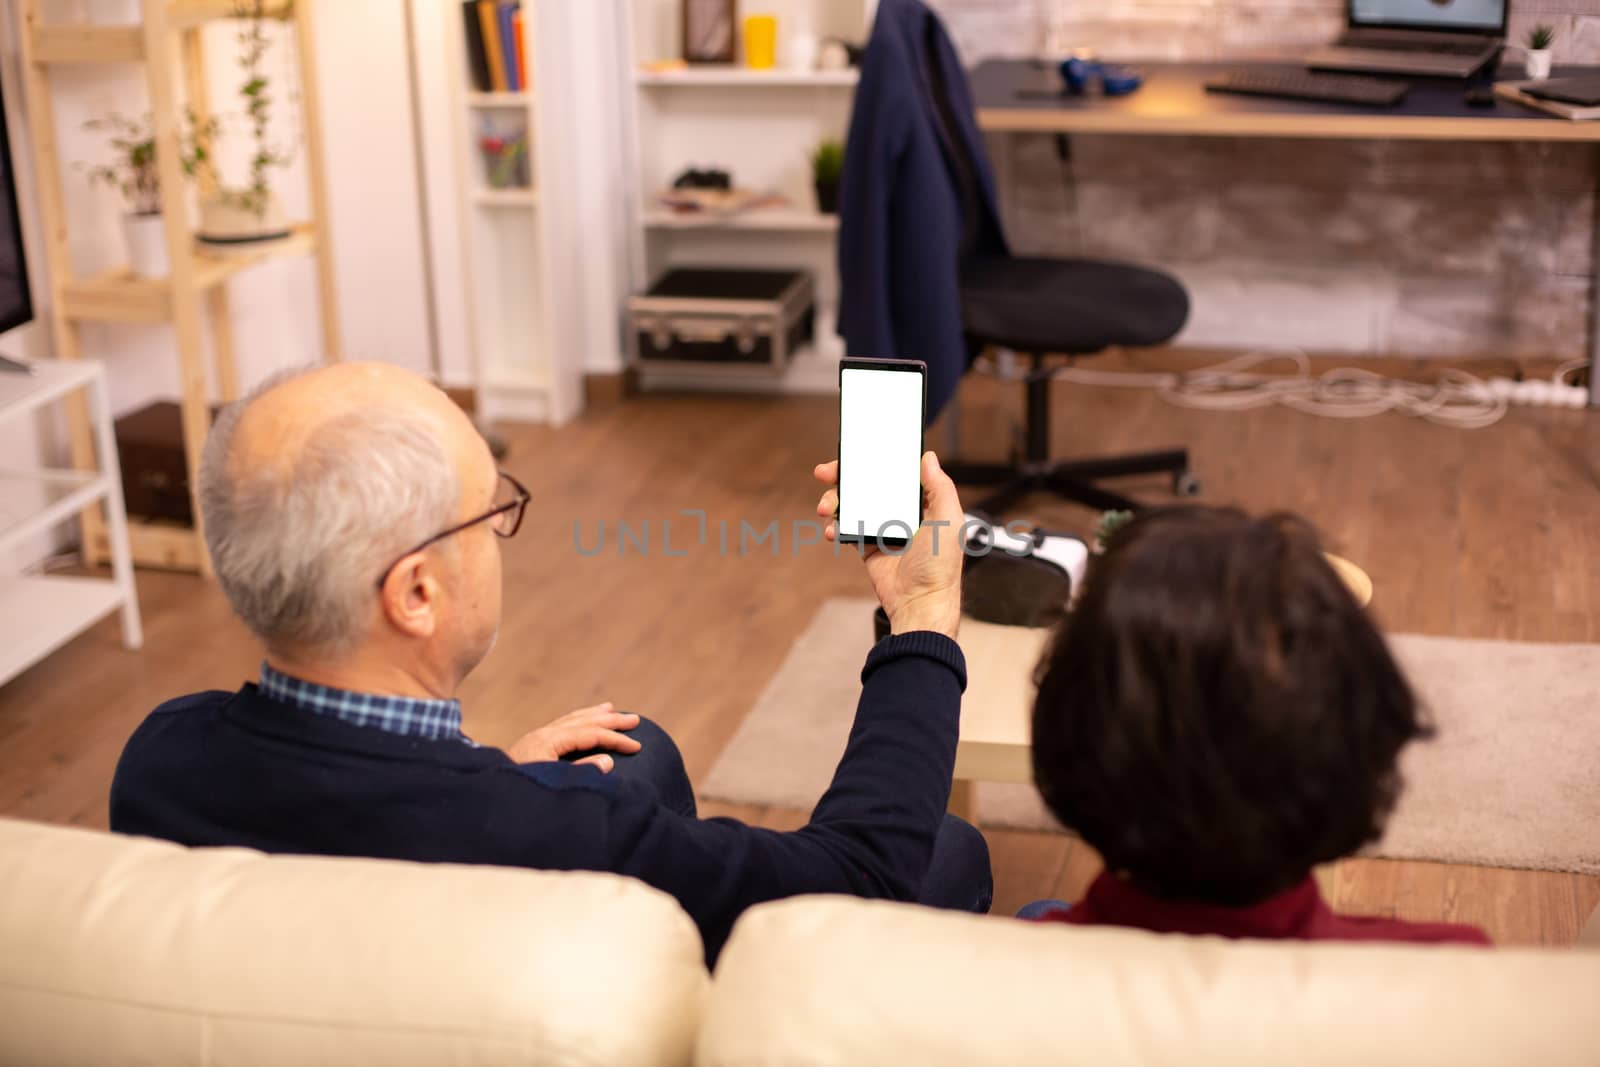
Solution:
(1039, 307)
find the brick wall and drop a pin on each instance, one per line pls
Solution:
(1414, 248)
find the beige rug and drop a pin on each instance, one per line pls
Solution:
(1512, 780)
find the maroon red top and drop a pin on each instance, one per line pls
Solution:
(1297, 913)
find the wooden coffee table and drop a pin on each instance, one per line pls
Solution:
(997, 709)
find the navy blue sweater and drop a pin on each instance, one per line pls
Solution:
(221, 768)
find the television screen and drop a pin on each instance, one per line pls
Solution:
(16, 301)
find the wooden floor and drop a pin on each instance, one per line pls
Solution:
(1488, 533)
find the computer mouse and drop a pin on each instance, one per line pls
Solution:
(1481, 96)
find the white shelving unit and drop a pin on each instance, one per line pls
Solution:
(40, 614)
(525, 371)
(760, 125)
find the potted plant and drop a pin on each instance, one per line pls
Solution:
(132, 172)
(250, 213)
(504, 145)
(1110, 523)
(1540, 38)
(827, 163)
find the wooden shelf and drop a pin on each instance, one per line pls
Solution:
(163, 545)
(185, 13)
(505, 197)
(521, 99)
(217, 263)
(118, 296)
(744, 77)
(88, 44)
(786, 219)
(84, 43)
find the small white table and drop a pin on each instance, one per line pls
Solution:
(997, 709)
(40, 613)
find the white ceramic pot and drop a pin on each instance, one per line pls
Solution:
(832, 56)
(1538, 63)
(225, 222)
(147, 245)
(800, 50)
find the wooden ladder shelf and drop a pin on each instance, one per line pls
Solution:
(168, 44)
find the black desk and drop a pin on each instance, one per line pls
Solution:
(1021, 96)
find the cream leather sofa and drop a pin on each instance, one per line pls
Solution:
(117, 950)
(835, 981)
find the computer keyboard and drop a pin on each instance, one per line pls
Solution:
(1298, 85)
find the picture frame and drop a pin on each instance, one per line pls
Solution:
(710, 30)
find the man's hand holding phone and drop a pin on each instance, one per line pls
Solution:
(920, 585)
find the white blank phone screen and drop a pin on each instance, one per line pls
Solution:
(880, 452)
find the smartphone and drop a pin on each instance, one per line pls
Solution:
(882, 404)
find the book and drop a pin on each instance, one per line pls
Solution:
(713, 204)
(1581, 91)
(523, 74)
(477, 58)
(489, 20)
(508, 44)
(1517, 92)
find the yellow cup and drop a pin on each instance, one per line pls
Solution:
(761, 42)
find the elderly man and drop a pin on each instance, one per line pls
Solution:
(354, 518)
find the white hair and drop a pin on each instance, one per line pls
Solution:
(300, 545)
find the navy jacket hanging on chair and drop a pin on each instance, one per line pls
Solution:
(904, 223)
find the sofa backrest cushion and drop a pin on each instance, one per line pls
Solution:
(117, 949)
(828, 980)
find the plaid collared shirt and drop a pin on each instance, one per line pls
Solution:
(434, 720)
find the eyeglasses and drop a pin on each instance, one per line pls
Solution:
(504, 519)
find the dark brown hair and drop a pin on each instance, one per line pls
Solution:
(1218, 715)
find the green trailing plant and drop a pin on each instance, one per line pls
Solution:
(827, 162)
(256, 91)
(1541, 37)
(132, 170)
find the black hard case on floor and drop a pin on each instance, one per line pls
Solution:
(700, 318)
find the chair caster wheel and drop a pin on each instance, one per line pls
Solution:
(1186, 483)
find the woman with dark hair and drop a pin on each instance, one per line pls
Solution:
(1216, 717)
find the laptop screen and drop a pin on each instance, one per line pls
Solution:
(1485, 15)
